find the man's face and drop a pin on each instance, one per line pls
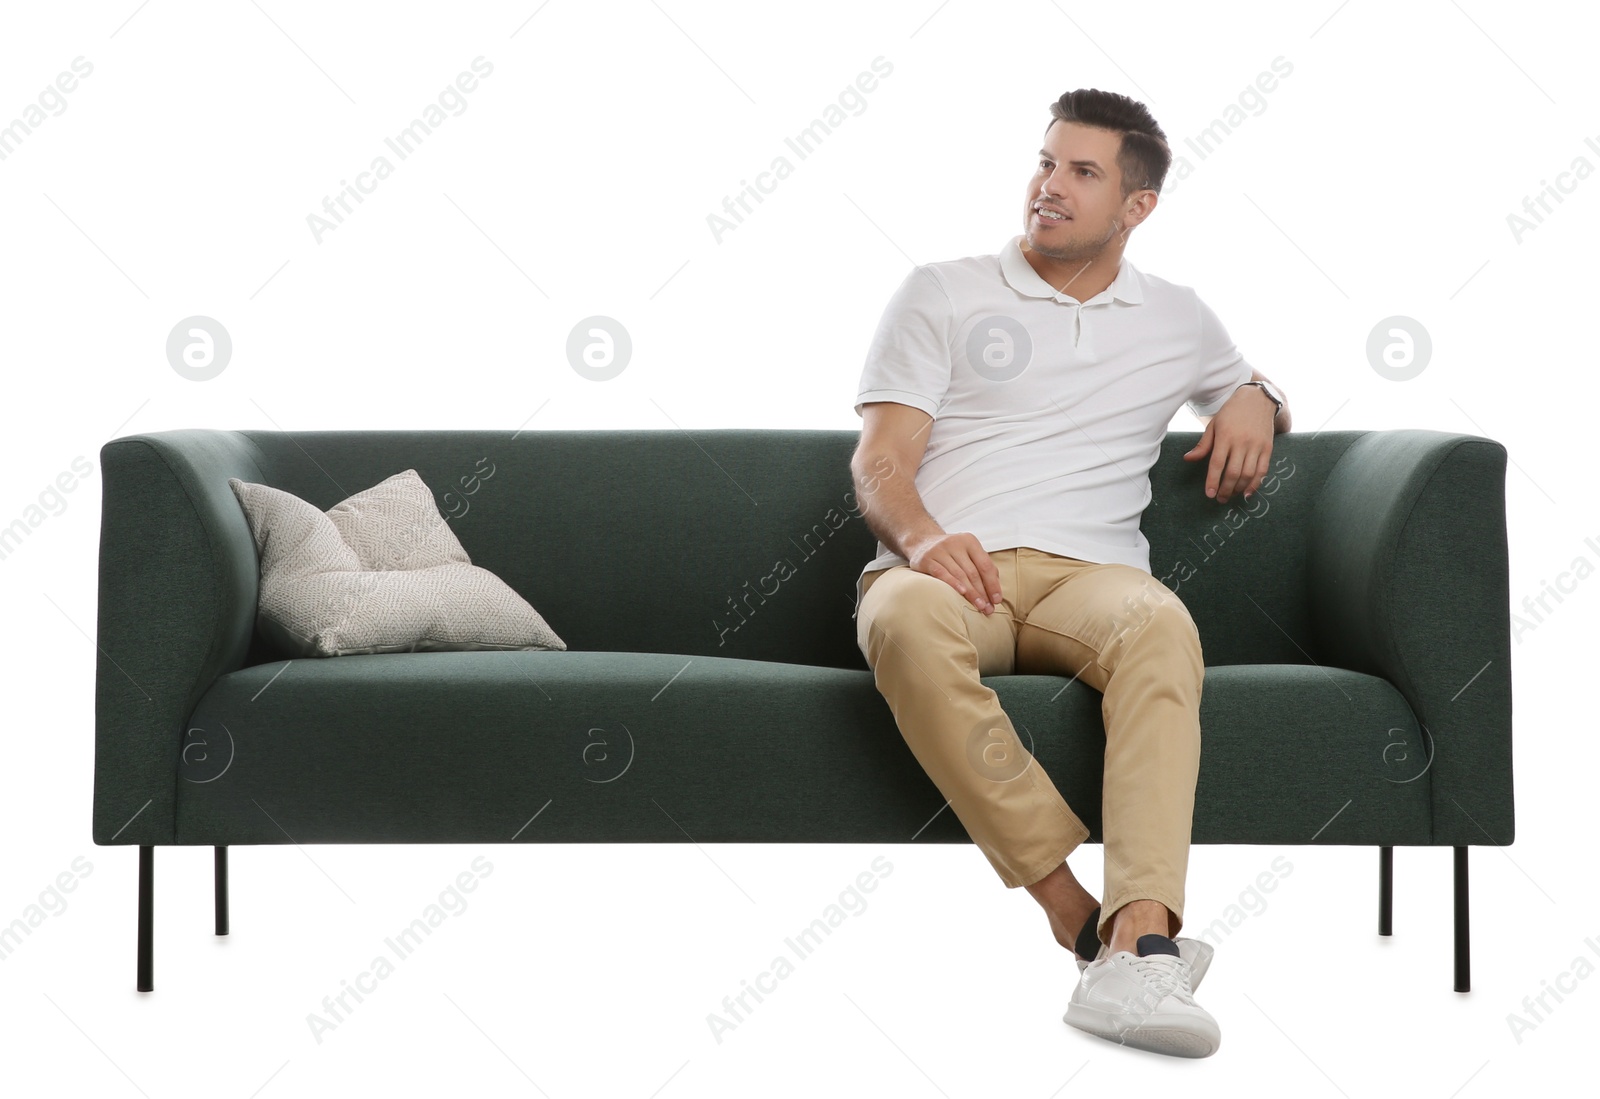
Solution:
(1077, 175)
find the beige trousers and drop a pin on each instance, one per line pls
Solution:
(1112, 626)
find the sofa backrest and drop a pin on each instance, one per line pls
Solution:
(748, 542)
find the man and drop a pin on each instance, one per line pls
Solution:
(1012, 407)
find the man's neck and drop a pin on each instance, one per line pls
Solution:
(1076, 278)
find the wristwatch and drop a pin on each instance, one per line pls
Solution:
(1272, 391)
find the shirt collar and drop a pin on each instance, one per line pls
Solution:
(1021, 277)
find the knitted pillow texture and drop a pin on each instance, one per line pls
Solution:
(379, 572)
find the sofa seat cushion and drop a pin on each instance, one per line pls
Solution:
(513, 746)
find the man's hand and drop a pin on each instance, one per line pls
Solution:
(960, 561)
(1239, 440)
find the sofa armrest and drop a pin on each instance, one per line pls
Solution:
(1409, 579)
(177, 606)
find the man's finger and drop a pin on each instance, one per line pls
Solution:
(1235, 471)
(978, 589)
(940, 571)
(959, 576)
(1258, 470)
(1230, 467)
(1219, 462)
(990, 576)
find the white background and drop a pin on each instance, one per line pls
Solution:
(1376, 180)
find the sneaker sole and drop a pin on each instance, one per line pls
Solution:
(1177, 1037)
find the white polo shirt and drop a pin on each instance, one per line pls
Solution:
(1048, 413)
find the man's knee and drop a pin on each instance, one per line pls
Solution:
(1152, 615)
(908, 599)
(903, 606)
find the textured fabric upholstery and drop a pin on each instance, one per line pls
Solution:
(1355, 623)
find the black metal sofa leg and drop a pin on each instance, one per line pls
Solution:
(1386, 890)
(147, 868)
(220, 863)
(1463, 939)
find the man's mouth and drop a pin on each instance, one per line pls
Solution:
(1049, 216)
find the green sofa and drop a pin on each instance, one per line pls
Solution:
(1355, 619)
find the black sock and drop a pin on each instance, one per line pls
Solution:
(1088, 944)
(1156, 944)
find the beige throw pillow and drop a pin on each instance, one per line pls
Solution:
(379, 572)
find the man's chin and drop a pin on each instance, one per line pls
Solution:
(1055, 253)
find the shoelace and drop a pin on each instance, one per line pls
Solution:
(1165, 975)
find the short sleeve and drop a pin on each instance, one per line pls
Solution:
(909, 360)
(1222, 369)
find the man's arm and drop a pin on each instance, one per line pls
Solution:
(894, 438)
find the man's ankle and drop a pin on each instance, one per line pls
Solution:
(1068, 923)
(1127, 926)
(1074, 920)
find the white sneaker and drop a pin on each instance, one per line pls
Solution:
(1144, 1000)
(1196, 952)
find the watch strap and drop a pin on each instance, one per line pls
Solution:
(1263, 387)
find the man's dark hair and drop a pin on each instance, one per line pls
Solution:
(1144, 157)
